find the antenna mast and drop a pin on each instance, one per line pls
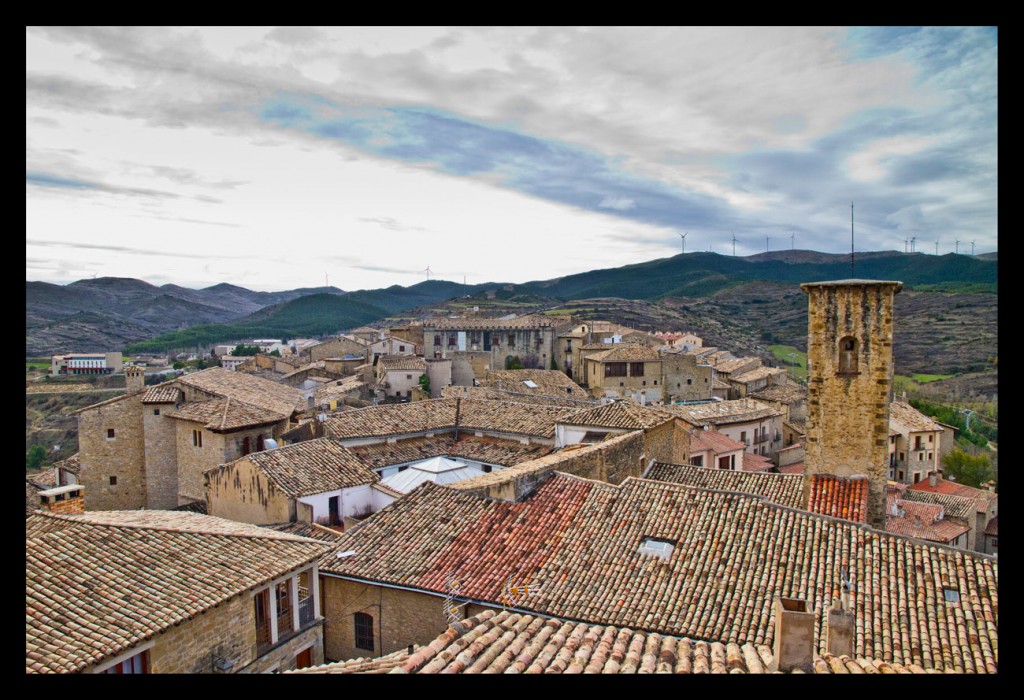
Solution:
(852, 274)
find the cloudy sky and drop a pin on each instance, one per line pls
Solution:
(275, 158)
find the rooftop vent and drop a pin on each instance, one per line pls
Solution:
(657, 547)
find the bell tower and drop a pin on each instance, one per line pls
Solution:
(849, 381)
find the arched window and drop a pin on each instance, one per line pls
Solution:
(848, 355)
(259, 442)
(245, 446)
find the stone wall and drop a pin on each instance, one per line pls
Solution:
(227, 631)
(121, 457)
(335, 347)
(217, 449)
(610, 461)
(161, 449)
(848, 390)
(238, 491)
(684, 379)
(467, 365)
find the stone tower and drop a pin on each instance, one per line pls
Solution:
(134, 379)
(849, 380)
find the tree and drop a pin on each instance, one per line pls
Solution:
(245, 350)
(36, 455)
(970, 470)
(425, 383)
(275, 353)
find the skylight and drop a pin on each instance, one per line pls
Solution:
(952, 595)
(530, 383)
(656, 547)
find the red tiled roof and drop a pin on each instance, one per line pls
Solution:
(784, 489)
(840, 497)
(981, 497)
(993, 527)
(579, 540)
(713, 440)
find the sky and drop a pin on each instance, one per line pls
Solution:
(282, 157)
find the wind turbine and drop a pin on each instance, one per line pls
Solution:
(906, 245)
(792, 240)
(682, 238)
(972, 247)
(766, 239)
(428, 272)
(936, 246)
(912, 240)
(734, 244)
(956, 249)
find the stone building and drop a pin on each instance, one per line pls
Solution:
(168, 592)
(850, 370)
(684, 376)
(398, 375)
(150, 447)
(915, 444)
(531, 339)
(626, 370)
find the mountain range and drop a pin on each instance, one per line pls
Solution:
(120, 313)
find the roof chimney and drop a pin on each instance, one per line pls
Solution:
(839, 631)
(933, 479)
(134, 379)
(793, 647)
(63, 499)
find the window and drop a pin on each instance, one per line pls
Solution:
(689, 382)
(408, 376)
(723, 462)
(437, 340)
(697, 461)
(401, 348)
(848, 355)
(110, 433)
(511, 338)
(135, 664)
(246, 448)
(113, 481)
(951, 595)
(615, 369)
(259, 442)
(364, 631)
(656, 547)
(636, 369)
(197, 438)
(156, 411)
(486, 468)
(743, 437)
(917, 477)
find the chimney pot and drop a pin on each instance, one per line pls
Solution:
(793, 646)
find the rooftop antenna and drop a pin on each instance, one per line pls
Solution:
(852, 275)
(734, 244)
(682, 238)
(972, 247)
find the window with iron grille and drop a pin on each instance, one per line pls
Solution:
(364, 631)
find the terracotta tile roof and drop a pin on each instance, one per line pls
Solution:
(479, 392)
(223, 414)
(716, 442)
(717, 383)
(265, 394)
(627, 352)
(394, 363)
(993, 527)
(460, 324)
(840, 497)
(728, 366)
(782, 393)
(756, 463)
(193, 507)
(310, 530)
(71, 464)
(734, 554)
(486, 449)
(440, 414)
(309, 467)
(981, 497)
(510, 642)
(956, 506)
(46, 479)
(722, 412)
(380, 664)
(756, 374)
(619, 414)
(548, 381)
(97, 586)
(784, 489)
(795, 468)
(924, 521)
(162, 393)
(913, 420)
(597, 346)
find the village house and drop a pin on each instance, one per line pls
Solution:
(665, 437)
(531, 339)
(315, 481)
(390, 345)
(752, 423)
(983, 521)
(150, 447)
(398, 376)
(532, 382)
(231, 362)
(914, 444)
(746, 383)
(710, 448)
(627, 370)
(683, 341)
(86, 363)
(923, 521)
(168, 592)
(342, 346)
(684, 377)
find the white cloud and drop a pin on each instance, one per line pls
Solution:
(618, 203)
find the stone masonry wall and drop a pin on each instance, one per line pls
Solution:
(227, 631)
(121, 457)
(848, 412)
(238, 491)
(161, 457)
(400, 618)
